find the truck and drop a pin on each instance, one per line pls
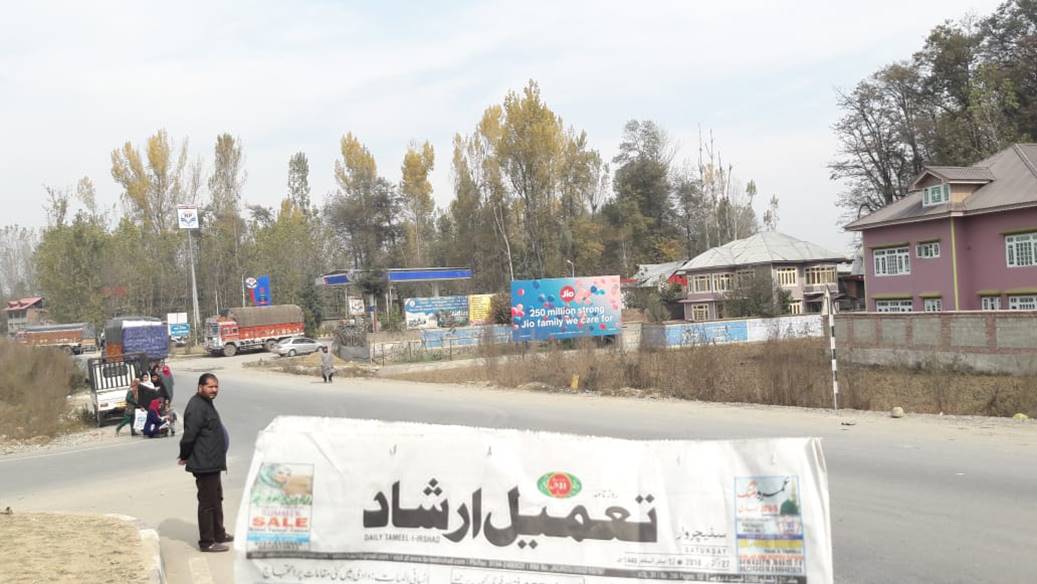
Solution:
(252, 328)
(136, 334)
(73, 338)
(110, 378)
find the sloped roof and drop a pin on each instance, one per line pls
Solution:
(763, 248)
(959, 173)
(21, 303)
(1015, 185)
(656, 274)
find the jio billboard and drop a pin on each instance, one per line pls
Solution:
(565, 308)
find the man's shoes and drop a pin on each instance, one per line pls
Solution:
(228, 538)
(214, 547)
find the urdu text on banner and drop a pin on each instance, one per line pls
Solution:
(333, 500)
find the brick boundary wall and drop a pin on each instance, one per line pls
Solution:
(999, 342)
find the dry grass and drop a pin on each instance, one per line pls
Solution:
(789, 373)
(34, 384)
(310, 365)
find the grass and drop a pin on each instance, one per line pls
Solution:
(34, 385)
(788, 372)
(309, 365)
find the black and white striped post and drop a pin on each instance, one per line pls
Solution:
(831, 344)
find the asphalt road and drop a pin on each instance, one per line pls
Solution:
(920, 499)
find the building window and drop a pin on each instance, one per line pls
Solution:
(929, 249)
(700, 283)
(744, 278)
(932, 304)
(899, 305)
(1028, 302)
(892, 261)
(721, 282)
(819, 275)
(990, 302)
(786, 277)
(796, 307)
(1021, 249)
(699, 312)
(936, 195)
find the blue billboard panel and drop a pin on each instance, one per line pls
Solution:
(565, 308)
(436, 312)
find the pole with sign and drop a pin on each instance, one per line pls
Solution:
(187, 218)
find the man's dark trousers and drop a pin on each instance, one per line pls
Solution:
(210, 509)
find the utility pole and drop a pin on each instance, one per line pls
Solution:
(187, 218)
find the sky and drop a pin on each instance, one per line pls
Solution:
(79, 79)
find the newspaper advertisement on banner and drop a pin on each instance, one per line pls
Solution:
(436, 312)
(342, 500)
(187, 217)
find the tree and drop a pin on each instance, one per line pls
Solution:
(299, 181)
(416, 193)
(364, 211)
(754, 293)
(224, 246)
(69, 263)
(17, 269)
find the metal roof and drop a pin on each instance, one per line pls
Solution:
(768, 247)
(656, 274)
(22, 303)
(1015, 185)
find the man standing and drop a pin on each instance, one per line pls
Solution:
(203, 450)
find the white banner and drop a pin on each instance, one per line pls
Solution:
(187, 217)
(340, 500)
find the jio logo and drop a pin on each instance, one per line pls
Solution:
(567, 293)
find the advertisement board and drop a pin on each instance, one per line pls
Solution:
(187, 217)
(356, 305)
(178, 325)
(564, 308)
(436, 312)
(258, 290)
(346, 500)
(479, 309)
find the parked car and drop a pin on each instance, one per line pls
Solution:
(296, 346)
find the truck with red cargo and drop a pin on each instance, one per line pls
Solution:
(74, 338)
(252, 328)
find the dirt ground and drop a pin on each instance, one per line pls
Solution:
(62, 548)
(310, 365)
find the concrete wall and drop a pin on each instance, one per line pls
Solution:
(1003, 342)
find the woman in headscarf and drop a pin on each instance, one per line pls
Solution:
(156, 424)
(131, 407)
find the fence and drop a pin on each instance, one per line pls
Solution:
(1003, 342)
(688, 334)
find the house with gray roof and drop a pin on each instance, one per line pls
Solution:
(964, 238)
(803, 269)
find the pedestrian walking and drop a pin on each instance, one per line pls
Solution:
(327, 364)
(203, 451)
(131, 407)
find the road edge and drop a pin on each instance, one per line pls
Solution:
(149, 540)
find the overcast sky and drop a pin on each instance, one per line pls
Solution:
(79, 79)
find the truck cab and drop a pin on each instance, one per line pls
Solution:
(221, 336)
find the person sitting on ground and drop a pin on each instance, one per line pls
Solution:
(131, 407)
(156, 424)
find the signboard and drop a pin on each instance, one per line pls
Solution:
(258, 290)
(177, 324)
(564, 308)
(355, 305)
(187, 217)
(343, 500)
(479, 306)
(436, 312)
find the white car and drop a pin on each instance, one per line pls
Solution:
(297, 346)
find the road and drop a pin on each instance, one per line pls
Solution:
(919, 499)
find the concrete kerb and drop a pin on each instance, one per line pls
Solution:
(152, 552)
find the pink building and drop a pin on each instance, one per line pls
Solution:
(964, 238)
